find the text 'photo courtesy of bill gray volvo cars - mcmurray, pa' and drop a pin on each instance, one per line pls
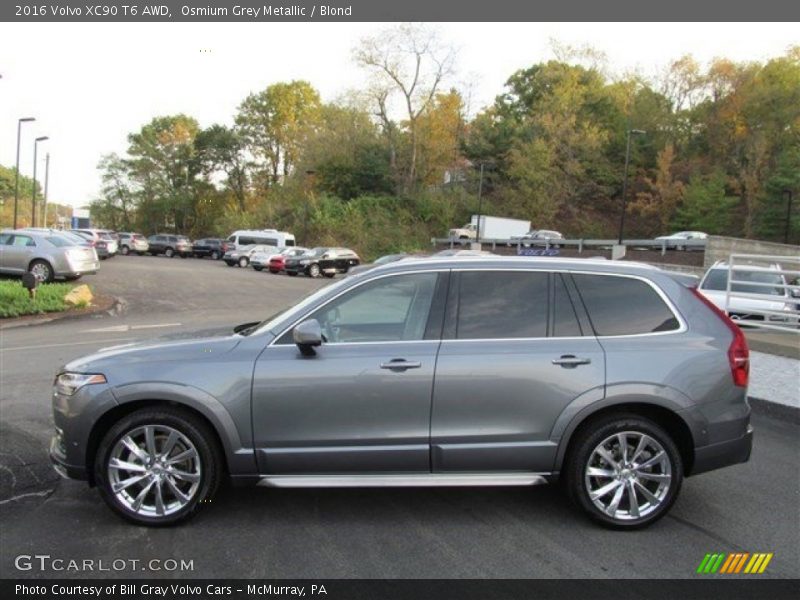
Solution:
(615, 379)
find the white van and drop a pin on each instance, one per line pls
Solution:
(268, 237)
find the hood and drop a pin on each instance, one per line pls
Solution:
(159, 350)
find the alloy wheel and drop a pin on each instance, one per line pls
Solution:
(154, 470)
(41, 271)
(628, 475)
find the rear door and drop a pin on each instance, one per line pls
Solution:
(517, 351)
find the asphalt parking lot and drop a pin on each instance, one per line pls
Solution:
(414, 533)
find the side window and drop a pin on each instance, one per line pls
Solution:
(23, 240)
(5, 238)
(161, 238)
(565, 319)
(389, 309)
(246, 241)
(288, 242)
(499, 305)
(623, 305)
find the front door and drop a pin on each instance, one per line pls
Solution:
(515, 354)
(362, 403)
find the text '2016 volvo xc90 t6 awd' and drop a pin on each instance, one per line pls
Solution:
(616, 379)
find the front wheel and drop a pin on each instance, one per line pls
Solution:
(625, 471)
(125, 250)
(169, 252)
(314, 270)
(243, 262)
(156, 466)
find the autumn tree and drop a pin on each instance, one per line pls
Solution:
(275, 123)
(409, 61)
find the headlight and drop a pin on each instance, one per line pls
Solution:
(69, 383)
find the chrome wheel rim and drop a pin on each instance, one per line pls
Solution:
(40, 271)
(154, 470)
(313, 270)
(628, 475)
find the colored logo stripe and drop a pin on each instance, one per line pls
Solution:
(735, 563)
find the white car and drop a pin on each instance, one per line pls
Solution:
(259, 260)
(673, 240)
(774, 299)
(241, 256)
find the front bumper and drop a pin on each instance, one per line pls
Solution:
(723, 454)
(60, 465)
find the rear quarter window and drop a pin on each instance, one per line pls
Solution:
(624, 306)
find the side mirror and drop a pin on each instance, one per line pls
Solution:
(307, 335)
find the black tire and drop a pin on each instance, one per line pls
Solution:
(313, 270)
(230, 263)
(200, 435)
(169, 252)
(581, 451)
(259, 268)
(125, 250)
(214, 255)
(291, 273)
(42, 269)
(243, 262)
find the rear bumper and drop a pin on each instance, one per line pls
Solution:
(723, 454)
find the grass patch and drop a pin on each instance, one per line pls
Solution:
(14, 300)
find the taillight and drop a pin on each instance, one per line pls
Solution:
(738, 352)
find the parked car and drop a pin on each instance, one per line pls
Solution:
(674, 240)
(214, 248)
(100, 245)
(170, 245)
(268, 237)
(241, 256)
(259, 259)
(777, 303)
(46, 253)
(133, 242)
(612, 377)
(542, 235)
(102, 238)
(277, 262)
(322, 261)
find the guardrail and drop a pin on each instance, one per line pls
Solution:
(764, 292)
(580, 244)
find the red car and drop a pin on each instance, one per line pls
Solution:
(278, 261)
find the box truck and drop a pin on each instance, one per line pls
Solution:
(492, 228)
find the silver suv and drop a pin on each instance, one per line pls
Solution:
(47, 253)
(616, 379)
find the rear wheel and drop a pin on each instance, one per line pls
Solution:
(169, 252)
(214, 255)
(314, 270)
(42, 270)
(243, 262)
(156, 466)
(624, 471)
(125, 250)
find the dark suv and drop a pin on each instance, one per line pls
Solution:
(615, 378)
(322, 261)
(170, 245)
(214, 248)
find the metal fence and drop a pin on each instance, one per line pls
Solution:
(763, 291)
(581, 245)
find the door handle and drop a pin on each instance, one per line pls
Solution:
(400, 364)
(570, 361)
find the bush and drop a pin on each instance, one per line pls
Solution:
(15, 301)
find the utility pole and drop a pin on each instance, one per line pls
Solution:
(16, 173)
(46, 180)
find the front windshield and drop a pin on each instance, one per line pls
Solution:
(272, 321)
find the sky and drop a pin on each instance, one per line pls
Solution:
(90, 84)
